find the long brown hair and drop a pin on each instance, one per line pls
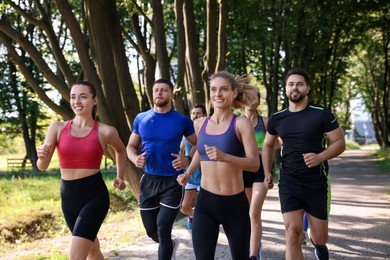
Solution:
(247, 94)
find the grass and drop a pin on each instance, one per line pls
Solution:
(54, 164)
(384, 159)
(30, 211)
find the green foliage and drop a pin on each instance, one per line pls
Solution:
(351, 145)
(384, 159)
(30, 207)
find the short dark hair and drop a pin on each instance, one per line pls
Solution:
(297, 71)
(202, 107)
(164, 81)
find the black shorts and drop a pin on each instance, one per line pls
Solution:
(311, 193)
(252, 177)
(85, 203)
(159, 190)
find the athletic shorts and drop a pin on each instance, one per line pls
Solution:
(252, 177)
(159, 190)
(85, 203)
(190, 186)
(311, 193)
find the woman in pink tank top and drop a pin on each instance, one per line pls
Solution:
(80, 143)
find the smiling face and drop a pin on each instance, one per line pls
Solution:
(162, 95)
(196, 112)
(221, 93)
(82, 100)
(296, 88)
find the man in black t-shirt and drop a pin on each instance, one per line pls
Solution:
(305, 129)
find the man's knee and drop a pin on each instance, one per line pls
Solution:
(294, 235)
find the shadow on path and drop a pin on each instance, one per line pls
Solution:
(359, 225)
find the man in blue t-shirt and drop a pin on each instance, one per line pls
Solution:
(193, 185)
(304, 186)
(160, 131)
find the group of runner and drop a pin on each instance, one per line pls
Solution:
(235, 155)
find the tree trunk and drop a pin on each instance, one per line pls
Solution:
(102, 19)
(222, 36)
(194, 70)
(160, 40)
(181, 62)
(210, 57)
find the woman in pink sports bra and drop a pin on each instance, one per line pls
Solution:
(80, 144)
(226, 146)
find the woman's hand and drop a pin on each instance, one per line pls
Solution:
(44, 151)
(214, 153)
(182, 179)
(119, 183)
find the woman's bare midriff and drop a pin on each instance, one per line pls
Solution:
(74, 174)
(221, 178)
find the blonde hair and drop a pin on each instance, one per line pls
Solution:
(247, 94)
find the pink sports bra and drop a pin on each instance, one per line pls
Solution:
(79, 152)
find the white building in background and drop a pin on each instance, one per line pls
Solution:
(362, 128)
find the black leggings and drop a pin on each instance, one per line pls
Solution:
(232, 212)
(158, 225)
(85, 203)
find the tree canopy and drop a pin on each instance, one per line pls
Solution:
(122, 46)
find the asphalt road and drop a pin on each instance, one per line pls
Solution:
(359, 225)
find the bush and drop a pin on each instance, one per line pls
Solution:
(384, 159)
(351, 145)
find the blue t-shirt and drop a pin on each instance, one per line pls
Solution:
(197, 174)
(161, 134)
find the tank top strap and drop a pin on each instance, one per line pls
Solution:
(67, 127)
(206, 121)
(95, 126)
(260, 124)
(233, 127)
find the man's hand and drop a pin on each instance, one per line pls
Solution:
(180, 162)
(140, 160)
(268, 181)
(312, 159)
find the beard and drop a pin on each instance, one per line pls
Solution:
(161, 103)
(296, 97)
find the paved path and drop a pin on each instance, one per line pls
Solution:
(359, 220)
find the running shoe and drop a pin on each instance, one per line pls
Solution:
(176, 243)
(305, 238)
(321, 252)
(260, 251)
(258, 257)
(189, 223)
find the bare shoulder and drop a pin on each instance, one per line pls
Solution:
(198, 123)
(107, 130)
(243, 121)
(57, 126)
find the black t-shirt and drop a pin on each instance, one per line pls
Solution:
(302, 132)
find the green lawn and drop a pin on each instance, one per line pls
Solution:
(54, 164)
(30, 209)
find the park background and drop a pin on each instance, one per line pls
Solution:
(123, 46)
